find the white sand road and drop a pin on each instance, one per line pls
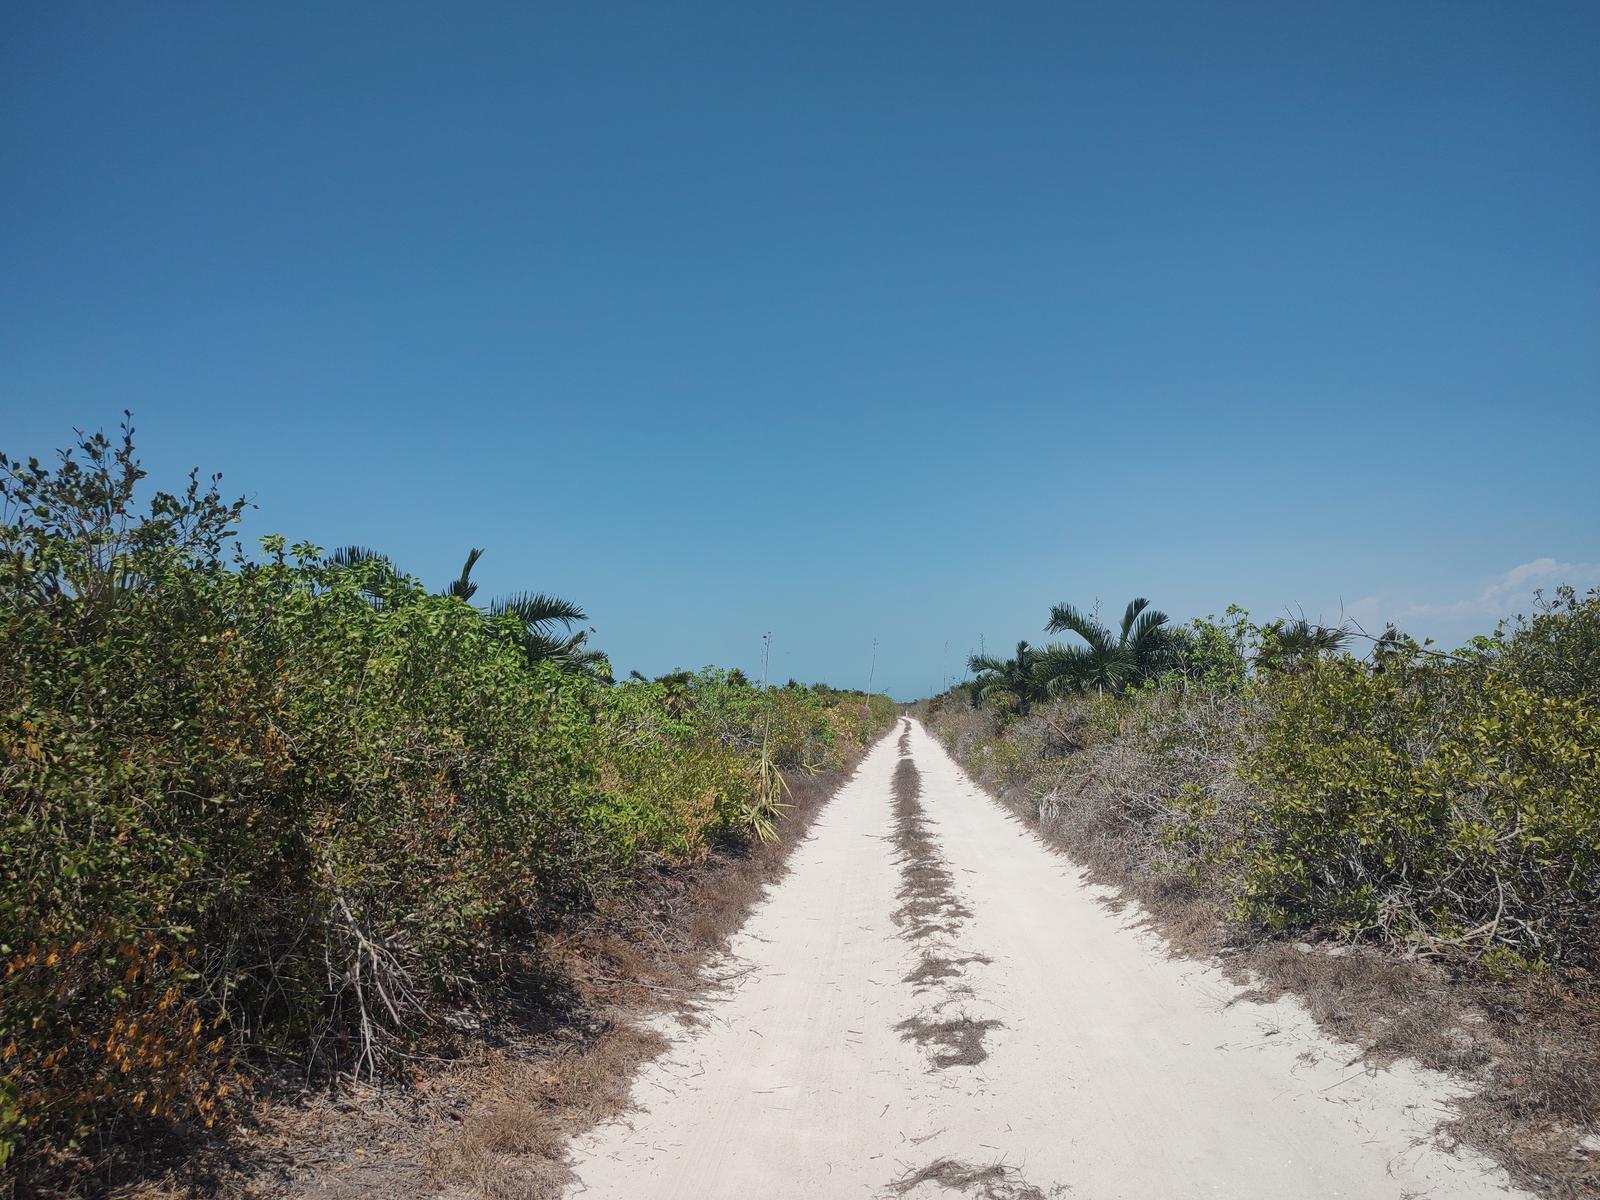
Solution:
(1115, 1070)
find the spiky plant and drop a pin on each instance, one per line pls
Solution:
(546, 627)
(349, 556)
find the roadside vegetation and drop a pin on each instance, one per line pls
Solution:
(293, 813)
(1408, 838)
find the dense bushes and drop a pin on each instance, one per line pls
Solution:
(296, 806)
(1433, 799)
(1443, 802)
(682, 757)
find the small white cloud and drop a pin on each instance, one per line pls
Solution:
(1503, 596)
(1539, 572)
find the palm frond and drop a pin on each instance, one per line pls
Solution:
(1146, 630)
(1065, 618)
(1062, 670)
(538, 610)
(349, 556)
(1116, 671)
(579, 657)
(999, 695)
(1135, 607)
(462, 586)
(542, 647)
(1296, 645)
(379, 578)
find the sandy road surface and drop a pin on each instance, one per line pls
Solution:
(1078, 1055)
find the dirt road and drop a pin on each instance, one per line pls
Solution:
(933, 1004)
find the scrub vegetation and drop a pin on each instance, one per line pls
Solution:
(295, 812)
(1428, 821)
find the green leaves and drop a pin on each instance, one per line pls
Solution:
(1423, 790)
(1106, 662)
(302, 802)
(1008, 684)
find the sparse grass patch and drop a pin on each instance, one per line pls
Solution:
(935, 968)
(929, 909)
(928, 903)
(995, 1181)
(958, 1040)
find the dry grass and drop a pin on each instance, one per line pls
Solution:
(512, 1143)
(959, 1040)
(931, 915)
(934, 968)
(996, 1181)
(1531, 1049)
(928, 903)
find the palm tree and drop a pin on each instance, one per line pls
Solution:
(546, 620)
(349, 556)
(546, 633)
(1298, 645)
(1107, 661)
(677, 688)
(1007, 683)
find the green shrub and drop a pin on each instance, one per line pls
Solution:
(668, 783)
(1436, 799)
(681, 756)
(294, 804)
(1426, 799)
(1215, 652)
(251, 802)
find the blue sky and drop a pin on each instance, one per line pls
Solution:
(847, 321)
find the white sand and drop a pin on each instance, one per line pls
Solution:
(1119, 1072)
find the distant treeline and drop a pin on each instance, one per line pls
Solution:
(1315, 779)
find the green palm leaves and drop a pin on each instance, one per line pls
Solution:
(1293, 646)
(1007, 683)
(1141, 648)
(462, 586)
(1107, 660)
(547, 629)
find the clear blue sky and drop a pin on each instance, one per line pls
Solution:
(847, 321)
